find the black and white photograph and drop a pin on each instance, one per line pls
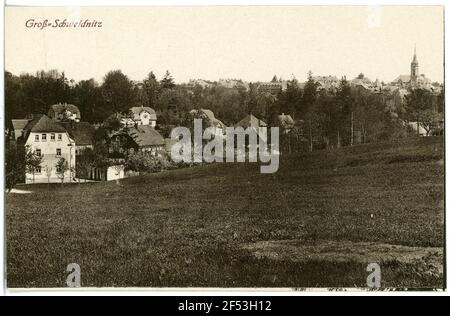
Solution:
(288, 148)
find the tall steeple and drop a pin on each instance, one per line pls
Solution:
(414, 68)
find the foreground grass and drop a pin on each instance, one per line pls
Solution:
(187, 227)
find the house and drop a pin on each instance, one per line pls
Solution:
(233, 83)
(272, 87)
(107, 173)
(48, 139)
(414, 126)
(414, 79)
(199, 82)
(141, 138)
(82, 133)
(136, 115)
(64, 112)
(362, 84)
(143, 115)
(210, 120)
(251, 121)
(329, 83)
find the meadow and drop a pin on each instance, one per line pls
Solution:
(317, 222)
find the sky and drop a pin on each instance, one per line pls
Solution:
(246, 42)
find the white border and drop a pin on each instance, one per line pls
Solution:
(202, 291)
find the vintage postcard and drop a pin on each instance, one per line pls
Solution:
(233, 147)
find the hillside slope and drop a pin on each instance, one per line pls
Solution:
(228, 225)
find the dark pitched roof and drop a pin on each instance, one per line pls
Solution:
(145, 135)
(42, 123)
(251, 121)
(136, 110)
(81, 132)
(403, 78)
(208, 114)
(34, 118)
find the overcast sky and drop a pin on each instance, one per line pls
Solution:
(252, 43)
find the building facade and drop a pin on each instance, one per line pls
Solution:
(143, 115)
(52, 142)
(414, 79)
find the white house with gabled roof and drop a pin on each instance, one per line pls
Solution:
(143, 115)
(47, 138)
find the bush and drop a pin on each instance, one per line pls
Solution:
(145, 162)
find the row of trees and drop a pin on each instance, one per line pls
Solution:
(334, 118)
(20, 159)
(29, 93)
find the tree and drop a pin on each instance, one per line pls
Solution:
(289, 101)
(118, 93)
(430, 120)
(308, 109)
(84, 163)
(32, 161)
(150, 90)
(33, 93)
(15, 165)
(344, 113)
(309, 95)
(61, 168)
(48, 173)
(87, 95)
(315, 121)
(167, 82)
(422, 108)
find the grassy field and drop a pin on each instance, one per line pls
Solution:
(317, 222)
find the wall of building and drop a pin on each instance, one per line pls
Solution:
(48, 149)
(115, 172)
(147, 119)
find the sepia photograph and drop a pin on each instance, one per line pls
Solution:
(289, 148)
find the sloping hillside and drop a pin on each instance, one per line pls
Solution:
(228, 225)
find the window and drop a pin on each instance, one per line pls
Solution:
(44, 137)
(36, 138)
(52, 137)
(59, 137)
(38, 169)
(58, 151)
(38, 152)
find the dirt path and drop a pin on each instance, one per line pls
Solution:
(344, 251)
(18, 191)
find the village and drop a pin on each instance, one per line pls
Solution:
(63, 147)
(59, 138)
(225, 147)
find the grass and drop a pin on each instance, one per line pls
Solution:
(192, 227)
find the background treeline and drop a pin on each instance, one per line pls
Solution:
(331, 118)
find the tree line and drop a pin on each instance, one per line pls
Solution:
(331, 118)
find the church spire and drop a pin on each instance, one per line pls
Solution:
(414, 68)
(414, 61)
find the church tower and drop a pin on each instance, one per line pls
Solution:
(414, 68)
